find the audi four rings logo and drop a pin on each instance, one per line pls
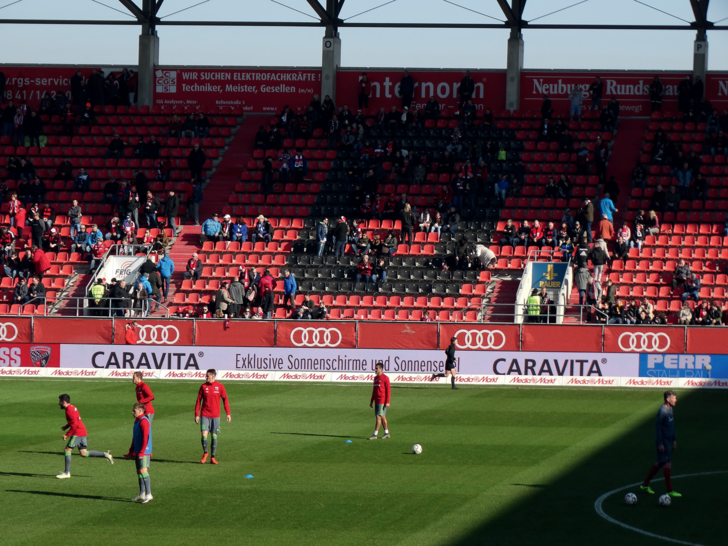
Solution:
(316, 337)
(480, 339)
(648, 342)
(158, 334)
(8, 331)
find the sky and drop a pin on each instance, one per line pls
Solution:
(413, 48)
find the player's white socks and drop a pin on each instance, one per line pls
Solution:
(376, 432)
(386, 431)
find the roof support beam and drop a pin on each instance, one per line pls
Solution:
(320, 11)
(700, 10)
(134, 9)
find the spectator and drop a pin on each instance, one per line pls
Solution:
(509, 234)
(432, 108)
(194, 268)
(239, 230)
(156, 283)
(365, 271)
(681, 274)
(587, 210)
(210, 230)
(237, 293)
(701, 316)
(625, 233)
(341, 235)
(165, 268)
(639, 177)
(322, 232)
(638, 237)
(321, 313)
(686, 314)
(379, 272)
(389, 245)
(715, 315)
(262, 230)
(485, 256)
(202, 128)
(33, 128)
(52, 241)
(96, 256)
(37, 229)
(546, 108)
(653, 223)
(466, 90)
(616, 313)
(605, 229)
(408, 222)
(226, 228)
(47, 215)
(222, 298)
(424, 220)
(547, 313)
(536, 234)
(606, 207)
(533, 306)
(502, 188)
(576, 97)
(621, 248)
(140, 296)
(111, 192)
(599, 256)
(289, 289)
(171, 209)
(115, 149)
(692, 288)
(151, 206)
(611, 294)
(40, 260)
(672, 200)
(656, 90)
(582, 278)
(20, 293)
(196, 162)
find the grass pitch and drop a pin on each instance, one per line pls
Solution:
(500, 466)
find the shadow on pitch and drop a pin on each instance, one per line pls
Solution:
(307, 434)
(58, 453)
(51, 494)
(537, 485)
(27, 475)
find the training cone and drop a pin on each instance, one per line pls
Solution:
(348, 441)
(249, 476)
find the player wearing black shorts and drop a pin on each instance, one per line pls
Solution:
(665, 442)
(450, 365)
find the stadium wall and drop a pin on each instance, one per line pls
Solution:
(347, 351)
(265, 89)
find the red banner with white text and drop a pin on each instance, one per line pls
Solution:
(409, 335)
(631, 89)
(490, 89)
(253, 90)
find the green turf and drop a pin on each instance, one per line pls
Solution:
(500, 466)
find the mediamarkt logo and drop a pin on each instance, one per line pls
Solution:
(601, 381)
(419, 378)
(476, 379)
(533, 380)
(19, 371)
(649, 383)
(246, 375)
(706, 383)
(76, 373)
(303, 376)
(184, 375)
(126, 374)
(355, 377)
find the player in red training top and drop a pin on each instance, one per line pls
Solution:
(208, 404)
(76, 436)
(144, 394)
(380, 398)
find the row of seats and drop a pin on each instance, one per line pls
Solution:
(27, 309)
(707, 279)
(167, 109)
(103, 142)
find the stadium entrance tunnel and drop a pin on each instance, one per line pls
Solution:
(553, 502)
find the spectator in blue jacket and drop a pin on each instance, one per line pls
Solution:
(165, 268)
(210, 230)
(81, 240)
(95, 235)
(322, 233)
(606, 206)
(239, 230)
(289, 289)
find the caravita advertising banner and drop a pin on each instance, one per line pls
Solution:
(255, 91)
(490, 89)
(296, 360)
(629, 88)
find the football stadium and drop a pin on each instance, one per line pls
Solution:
(239, 237)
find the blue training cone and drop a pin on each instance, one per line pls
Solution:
(249, 476)
(348, 441)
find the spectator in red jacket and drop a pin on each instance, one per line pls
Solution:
(536, 235)
(265, 284)
(40, 260)
(365, 270)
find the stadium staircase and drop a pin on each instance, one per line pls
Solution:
(622, 160)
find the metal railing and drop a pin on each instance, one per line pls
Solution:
(112, 307)
(118, 249)
(511, 313)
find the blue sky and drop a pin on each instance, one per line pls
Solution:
(246, 46)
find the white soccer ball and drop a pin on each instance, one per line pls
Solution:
(665, 500)
(630, 499)
(417, 449)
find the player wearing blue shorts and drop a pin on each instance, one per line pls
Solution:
(666, 442)
(141, 451)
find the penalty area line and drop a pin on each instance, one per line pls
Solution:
(600, 510)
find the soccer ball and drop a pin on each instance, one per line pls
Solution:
(665, 500)
(630, 499)
(417, 449)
